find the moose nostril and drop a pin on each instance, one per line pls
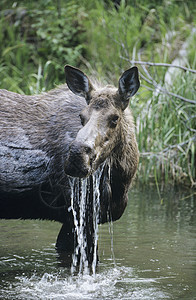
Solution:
(87, 150)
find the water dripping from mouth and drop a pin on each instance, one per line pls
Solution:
(81, 198)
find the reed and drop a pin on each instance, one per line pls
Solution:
(166, 130)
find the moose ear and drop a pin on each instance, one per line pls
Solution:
(78, 82)
(128, 85)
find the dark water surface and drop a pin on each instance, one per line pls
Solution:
(151, 254)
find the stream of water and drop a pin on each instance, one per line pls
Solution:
(79, 198)
(154, 245)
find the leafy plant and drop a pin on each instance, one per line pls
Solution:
(32, 40)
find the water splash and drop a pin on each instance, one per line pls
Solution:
(110, 283)
(84, 192)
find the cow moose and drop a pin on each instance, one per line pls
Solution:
(68, 132)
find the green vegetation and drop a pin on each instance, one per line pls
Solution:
(38, 38)
(35, 43)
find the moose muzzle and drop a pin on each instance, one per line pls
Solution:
(80, 159)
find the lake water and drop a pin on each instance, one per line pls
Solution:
(150, 253)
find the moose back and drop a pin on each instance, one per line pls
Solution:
(69, 131)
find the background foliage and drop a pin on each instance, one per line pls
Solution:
(104, 38)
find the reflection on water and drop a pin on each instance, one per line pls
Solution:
(153, 243)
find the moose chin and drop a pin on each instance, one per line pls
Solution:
(69, 131)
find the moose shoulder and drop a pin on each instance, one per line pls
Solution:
(69, 131)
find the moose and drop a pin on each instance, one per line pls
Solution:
(68, 132)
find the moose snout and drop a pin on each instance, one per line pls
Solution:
(80, 159)
(80, 149)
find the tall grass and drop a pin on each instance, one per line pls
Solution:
(117, 34)
(35, 44)
(166, 130)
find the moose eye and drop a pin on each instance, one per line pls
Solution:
(82, 119)
(114, 121)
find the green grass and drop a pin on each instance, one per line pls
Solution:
(166, 138)
(35, 44)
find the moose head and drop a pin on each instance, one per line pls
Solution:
(102, 120)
